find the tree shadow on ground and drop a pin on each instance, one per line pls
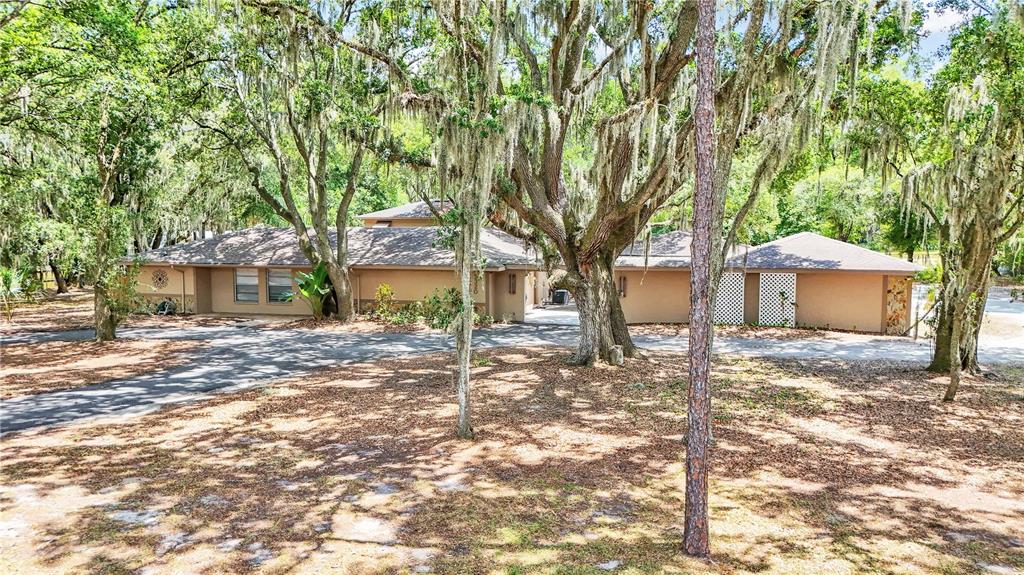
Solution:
(818, 467)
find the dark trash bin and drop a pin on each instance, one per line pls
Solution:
(561, 297)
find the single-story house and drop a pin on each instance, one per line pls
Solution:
(804, 280)
(250, 271)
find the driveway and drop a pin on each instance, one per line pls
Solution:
(242, 357)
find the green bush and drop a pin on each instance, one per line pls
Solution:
(384, 302)
(407, 314)
(932, 275)
(442, 307)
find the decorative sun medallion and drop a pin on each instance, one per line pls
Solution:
(159, 279)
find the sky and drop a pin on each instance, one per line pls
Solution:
(937, 26)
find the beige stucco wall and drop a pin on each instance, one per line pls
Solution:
(222, 283)
(403, 223)
(659, 296)
(840, 300)
(174, 281)
(504, 305)
(541, 287)
(530, 291)
(751, 297)
(408, 285)
(173, 289)
(837, 300)
(204, 290)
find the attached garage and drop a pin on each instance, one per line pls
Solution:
(803, 280)
(823, 283)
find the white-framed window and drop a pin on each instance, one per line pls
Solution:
(279, 285)
(247, 285)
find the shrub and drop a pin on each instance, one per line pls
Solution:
(932, 275)
(412, 312)
(442, 307)
(384, 302)
(17, 286)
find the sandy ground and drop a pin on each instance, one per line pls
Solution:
(55, 312)
(819, 466)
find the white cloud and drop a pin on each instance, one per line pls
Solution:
(941, 21)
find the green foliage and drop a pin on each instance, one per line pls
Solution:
(17, 286)
(449, 228)
(442, 307)
(931, 275)
(120, 286)
(384, 301)
(313, 286)
(903, 230)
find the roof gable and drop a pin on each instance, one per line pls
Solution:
(811, 251)
(412, 210)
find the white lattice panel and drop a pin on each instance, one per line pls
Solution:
(777, 300)
(729, 304)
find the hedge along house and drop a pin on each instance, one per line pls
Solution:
(251, 271)
(803, 280)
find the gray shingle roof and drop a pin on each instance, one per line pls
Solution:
(412, 210)
(672, 243)
(666, 251)
(810, 251)
(258, 246)
(413, 247)
(368, 247)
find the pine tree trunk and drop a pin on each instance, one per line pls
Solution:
(104, 316)
(62, 283)
(695, 534)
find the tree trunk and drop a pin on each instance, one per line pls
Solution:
(104, 317)
(341, 282)
(910, 255)
(959, 318)
(695, 534)
(602, 322)
(62, 284)
(466, 250)
(954, 354)
(463, 350)
(968, 343)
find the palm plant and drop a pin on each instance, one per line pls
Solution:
(16, 287)
(313, 288)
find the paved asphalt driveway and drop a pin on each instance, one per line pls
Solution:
(241, 357)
